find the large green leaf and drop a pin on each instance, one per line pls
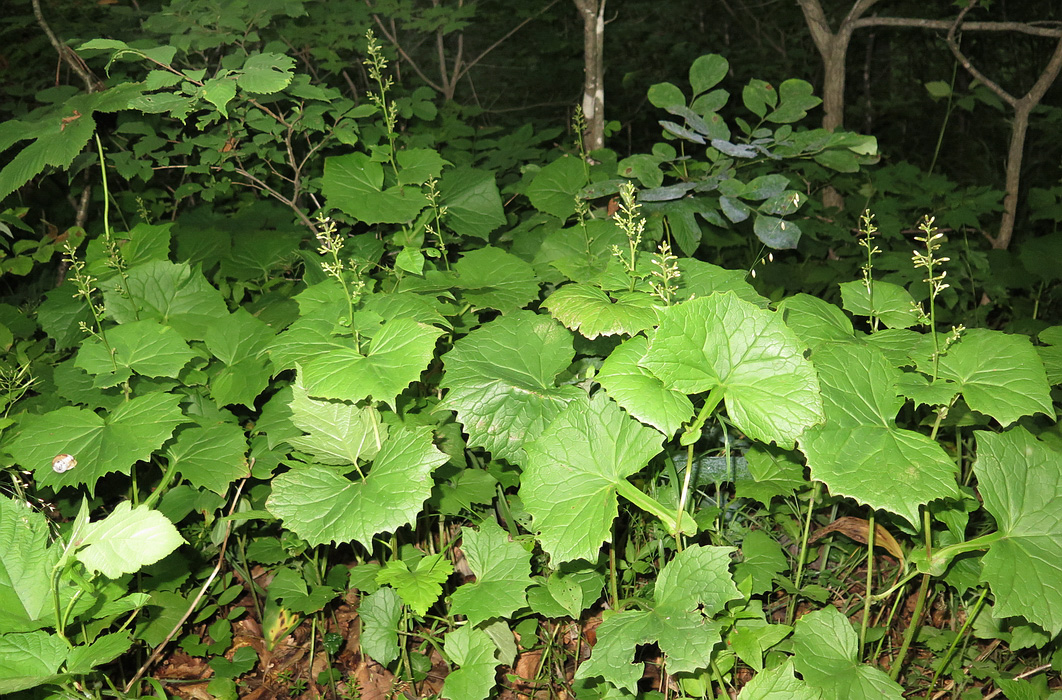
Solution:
(503, 572)
(171, 293)
(825, 651)
(859, 451)
(639, 392)
(266, 72)
(488, 277)
(145, 347)
(129, 434)
(701, 279)
(29, 659)
(1020, 480)
(353, 183)
(240, 341)
(473, 204)
(889, 302)
(25, 567)
(321, 505)
(418, 165)
(397, 354)
(573, 471)
(707, 71)
(336, 432)
(554, 187)
(211, 456)
(127, 540)
(502, 395)
(723, 343)
(691, 589)
(590, 311)
(475, 653)
(815, 320)
(1000, 374)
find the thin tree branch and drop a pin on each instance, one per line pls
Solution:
(202, 591)
(507, 35)
(66, 53)
(969, 66)
(1030, 28)
(393, 38)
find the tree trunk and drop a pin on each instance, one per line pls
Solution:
(593, 15)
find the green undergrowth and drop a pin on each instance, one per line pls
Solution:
(486, 400)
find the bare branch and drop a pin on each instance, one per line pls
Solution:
(1031, 28)
(393, 38)
(969, 66)
(66, 53)
(499, 42)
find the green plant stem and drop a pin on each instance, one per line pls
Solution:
(868, 587)
(167, 477)
(57, 607)
(888, 623)
(947, 116)
(613, 585)
(647, 503)
(963, 634)
(799, 577)
(909, 633)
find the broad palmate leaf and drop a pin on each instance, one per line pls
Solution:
(173, 294)
(1020, 480)
(211, 456)
(825, 651)
(320, 504)
(397, 354)
(379, 614)
(590, 311)
(639, 392)
(722, 342)
(489, 277)
(1000, 374)
(421, 586)
(691, 589)
(778, 683)
(573, 471)
(336, 432)
(503, 572)
(100, 445)
(145, 347)
(500, 381)
(859, 451)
